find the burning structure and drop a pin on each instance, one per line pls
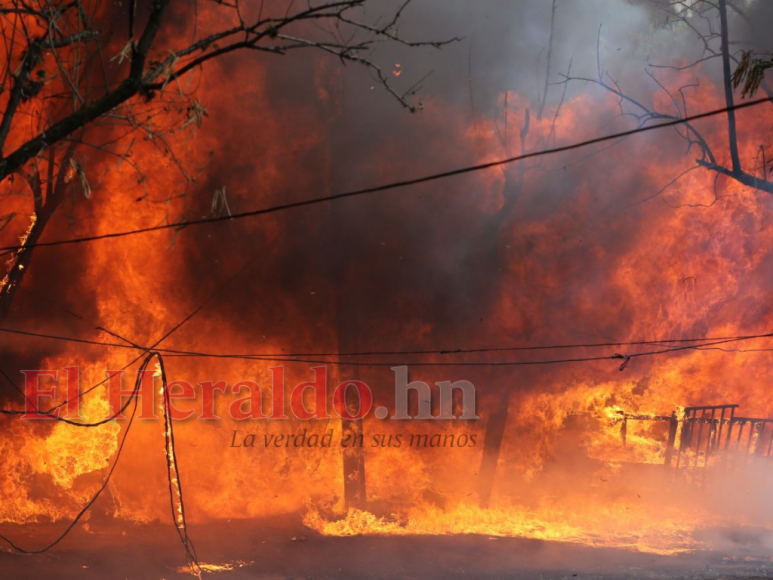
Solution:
(189, 208)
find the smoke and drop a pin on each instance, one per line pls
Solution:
(301, 126)
(567, 248)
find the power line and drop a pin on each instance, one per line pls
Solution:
(388, 186)
(389, 352)
(170, 456)
(129, 344)
(698, 344)
(625, 357)
(454, 351)
(93, 498)
(70, 339)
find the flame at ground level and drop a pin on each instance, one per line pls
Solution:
(620, 525)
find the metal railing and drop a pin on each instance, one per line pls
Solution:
(696, 434)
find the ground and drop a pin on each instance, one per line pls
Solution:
(281, 548)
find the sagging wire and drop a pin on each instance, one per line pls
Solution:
(388, 186)
(668, 346)
(696, 343)
(176, 498)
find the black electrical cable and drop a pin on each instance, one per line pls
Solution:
(94, 498)
(380, 188)
(175, 484)
(701, 343)
(290, 357)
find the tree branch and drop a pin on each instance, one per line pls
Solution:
(731, 125)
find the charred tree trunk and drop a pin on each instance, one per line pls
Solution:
(496, 405)
(20, 262)
(45, 208)
(346, 319)
(355, 495)
(496, 423)
(731, 125)
(490, 245)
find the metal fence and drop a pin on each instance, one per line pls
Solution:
(698, 434)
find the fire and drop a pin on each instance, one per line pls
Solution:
(215, 568)
(59, 457)
(63, 454)
(602, 527)
(22, 241)
(69, 452)
(584, 447)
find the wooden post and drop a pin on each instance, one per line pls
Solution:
(672, 427)
(346, 314)
(355, 490)
(492, 448)
(355, 495)
(624, 430)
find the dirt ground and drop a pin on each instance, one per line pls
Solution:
(282, 548)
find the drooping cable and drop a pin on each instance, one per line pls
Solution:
(385, 187)
(176, 497)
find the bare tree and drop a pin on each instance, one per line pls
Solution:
(87, 74)
(707, 20)
(490, 255)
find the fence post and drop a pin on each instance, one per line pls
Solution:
(673, 423)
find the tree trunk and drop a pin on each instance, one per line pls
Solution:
(346, 314)
(490, 260)
(731, 126)
(355, 491)
(45, 209)
(20, 263)
(492, 448)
